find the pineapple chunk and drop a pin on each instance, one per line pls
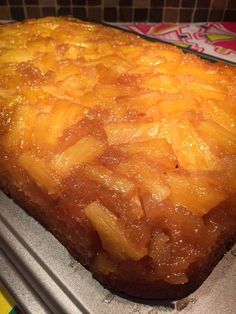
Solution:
(164, 131)
(39, 171)
(218, 136)
(41, 125)
(21, 133)
(213, 111)
(199, 71)
(16, 56)
(194, 193)
(33, 94)
(192, 152)
(118, 133)
(144, 103)
(59, 94)
(173, 108)
(155, 184)
(67, 68)
(85, 150)
(109, 179)
(159, 249)
(77, 85)
(106, 90)
(63, 115)
(111, 233)
(115, 182)
(205, 90)
(147, 177)
(164, 83)
(157, 149)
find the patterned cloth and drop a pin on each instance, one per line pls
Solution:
(7, 304)
(215, 39)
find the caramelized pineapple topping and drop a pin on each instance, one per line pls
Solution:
(134, 140)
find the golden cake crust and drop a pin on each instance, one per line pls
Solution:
(123, 148)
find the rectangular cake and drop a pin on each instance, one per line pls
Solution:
(124, 149)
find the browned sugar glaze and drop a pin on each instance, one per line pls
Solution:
(125, 149)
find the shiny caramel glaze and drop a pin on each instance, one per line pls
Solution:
(125, 149)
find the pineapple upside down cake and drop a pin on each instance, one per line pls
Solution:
(124, 149)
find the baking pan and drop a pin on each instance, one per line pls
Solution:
(44, 278)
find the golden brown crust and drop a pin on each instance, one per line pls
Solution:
(124, 149)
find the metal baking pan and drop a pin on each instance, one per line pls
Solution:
(44, 278)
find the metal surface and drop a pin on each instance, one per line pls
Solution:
(20, 290)
(45, 276)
